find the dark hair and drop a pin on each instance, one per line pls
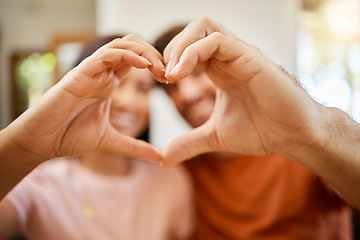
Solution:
(163, 40)
(90, 48)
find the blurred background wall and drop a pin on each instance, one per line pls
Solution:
(32, 26)
(268, 24)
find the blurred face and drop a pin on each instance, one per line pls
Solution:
(194, 97)
(129, 112)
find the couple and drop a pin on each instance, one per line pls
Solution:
(250, 107)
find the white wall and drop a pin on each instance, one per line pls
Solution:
(30, 25)
(268, 24)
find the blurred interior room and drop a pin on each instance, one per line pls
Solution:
(316, 40)
(40, 39)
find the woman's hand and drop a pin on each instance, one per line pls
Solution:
(72, 118)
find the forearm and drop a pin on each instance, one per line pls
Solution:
(336, 156)
(15, 163)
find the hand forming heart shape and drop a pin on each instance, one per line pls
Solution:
(259, 109)
(246, 117)
(256, 100)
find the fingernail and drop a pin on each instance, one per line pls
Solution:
(149, 63)
(168, 68)
(162, 65)
(176, 68)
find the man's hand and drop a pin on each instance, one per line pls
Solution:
(259, 109)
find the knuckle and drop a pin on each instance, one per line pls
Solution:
(130, 37)
(116, 41)
(100, 52)
(205, 20)
(217, 35)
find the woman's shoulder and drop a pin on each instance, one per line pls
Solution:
(53, 169)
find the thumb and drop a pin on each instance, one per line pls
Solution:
(197, 141)
(130, 147)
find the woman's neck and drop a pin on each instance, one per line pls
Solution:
(107, 163)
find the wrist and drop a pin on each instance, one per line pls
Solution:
(318, 137)
(16, 148)
(15, 162)
(334, 155)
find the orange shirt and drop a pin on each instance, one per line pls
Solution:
(269, 197)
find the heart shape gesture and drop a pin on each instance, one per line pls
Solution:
(259, 109)
(72, 118)
(247, 118)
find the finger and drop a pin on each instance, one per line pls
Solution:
(121, 51)
(130, 147)
(134, 38)
(197, 141)
(214, 47)
(109, 58)
(144, 49)
(193, 32)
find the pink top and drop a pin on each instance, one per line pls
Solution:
(61, 199)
